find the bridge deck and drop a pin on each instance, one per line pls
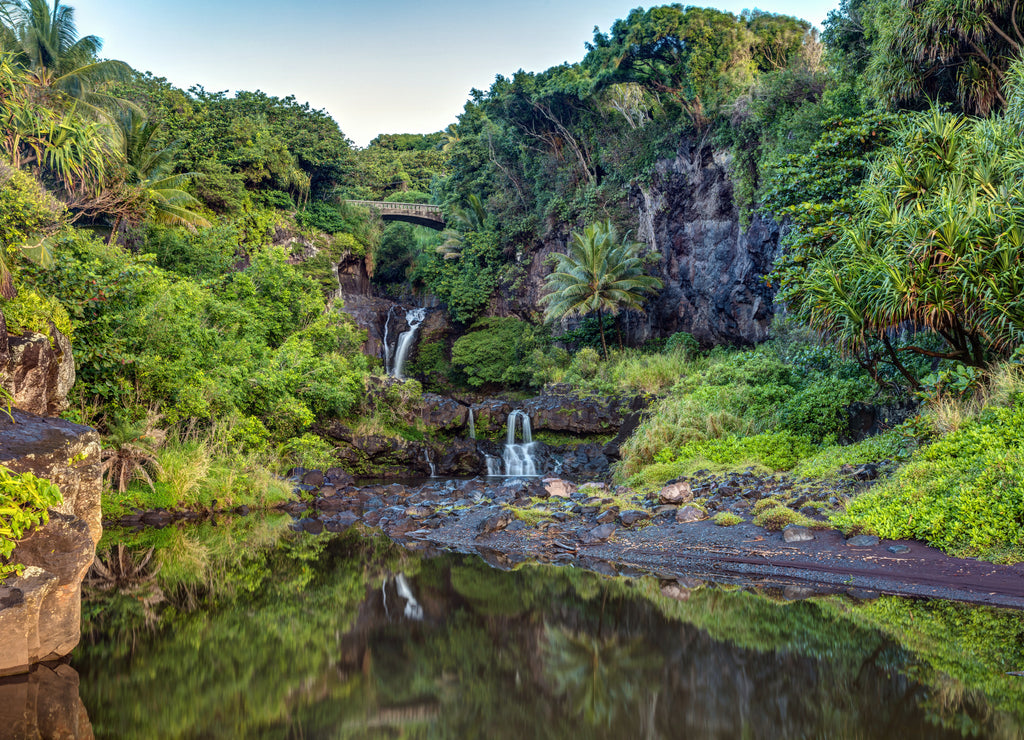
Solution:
(416, 213)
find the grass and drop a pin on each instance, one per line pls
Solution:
(778, 517)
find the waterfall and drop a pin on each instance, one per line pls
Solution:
(413, 610)
(493, 466)
(472, 427)
(518, 457)
(415, 317)
(426, 456)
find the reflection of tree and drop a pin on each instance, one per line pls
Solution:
(598, 676)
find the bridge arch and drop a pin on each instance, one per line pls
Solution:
(420, 214)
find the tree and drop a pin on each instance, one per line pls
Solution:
(149, 168)
(462, 221)
(45, 42)
(599, 273)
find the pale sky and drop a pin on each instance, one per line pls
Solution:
(387, 67)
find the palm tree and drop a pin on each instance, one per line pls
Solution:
(45, 42)
(599, 273)
(461, 222)
(148, 168)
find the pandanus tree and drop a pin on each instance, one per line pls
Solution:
(937, 246)
(599, 273)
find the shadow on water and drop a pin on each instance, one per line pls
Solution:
(252, 630)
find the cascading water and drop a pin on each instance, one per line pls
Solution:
(426, 456)
(518, 457)
(472, 426)
(415, 317)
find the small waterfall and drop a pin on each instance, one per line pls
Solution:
(493, 466)
(415, 317)
(426, 456)
(518, 456)
(472, 427)
(412, 610)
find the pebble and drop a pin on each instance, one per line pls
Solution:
(796, 533)
(863, 540)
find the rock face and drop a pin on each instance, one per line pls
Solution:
(712, 269)
(40, 611)
(37, 374)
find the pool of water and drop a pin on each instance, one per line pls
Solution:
(248, 629)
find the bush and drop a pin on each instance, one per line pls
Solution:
(964, 493)
(29, 311)
(496, 352)
(24, 503)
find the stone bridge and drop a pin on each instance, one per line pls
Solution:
(413, 213)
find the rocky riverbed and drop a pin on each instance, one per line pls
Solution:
(674, 533)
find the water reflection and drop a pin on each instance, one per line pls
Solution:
(265, 633)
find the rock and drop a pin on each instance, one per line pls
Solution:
(676, 493)
(796, 533)
(496, 522)
(312, 526)
(559, 409)
(313, 478)
(460, 457)
(419, 512)
(689, 514)
(45, 604)
(44, 703)
(899, 549)
(440, 412)
(37, 374)
(600, 534)
(632, 516)
(862, 540)
(712, 267)
(559, 488)
(608, 515)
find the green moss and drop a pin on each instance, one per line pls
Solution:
(727, 519)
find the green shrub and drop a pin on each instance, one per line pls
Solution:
(682, 341)
(25, 501)
(496, 351)
(963, 493)
(29, 311)
(776, 518)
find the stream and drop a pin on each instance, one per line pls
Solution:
(246, 628)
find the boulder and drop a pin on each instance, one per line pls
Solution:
(689, 514)
(558, 488)
(441, 412)
(676, 493)
(40, 610)
(37, 373)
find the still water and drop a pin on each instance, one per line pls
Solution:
(250, 630)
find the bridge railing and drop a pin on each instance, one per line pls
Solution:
(417, 209)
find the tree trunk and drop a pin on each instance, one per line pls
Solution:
(600, 326)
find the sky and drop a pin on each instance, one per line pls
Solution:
(397, 66)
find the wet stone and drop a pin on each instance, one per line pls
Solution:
(796, 533)
(312, 526)
(899, 549)
(862, 540)
(418, 512)
(496, 522)
(600, 534)
(632, 516)
(690, 514)
(608, 515)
